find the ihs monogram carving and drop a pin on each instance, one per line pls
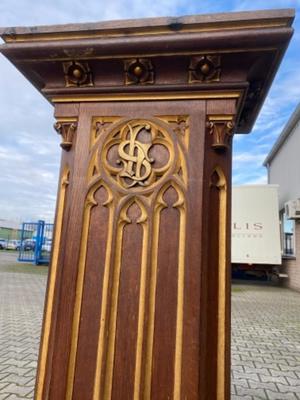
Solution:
(137, 154)
(134, 157)
(205, 69)
(67, 130)
(138, 71)
(77, 74)
(221, 131)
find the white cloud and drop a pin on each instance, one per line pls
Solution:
(248, 157)
(259, 178)
(29, 150)
(245, 5)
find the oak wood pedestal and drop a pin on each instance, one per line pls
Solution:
(138, 296)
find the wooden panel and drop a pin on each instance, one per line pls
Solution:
(138, 303)
(128, 306)
(166, 299)
(134, 324)
(91, 285)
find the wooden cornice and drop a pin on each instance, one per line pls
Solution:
(236, 51)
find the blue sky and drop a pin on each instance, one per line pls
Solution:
(29, 147)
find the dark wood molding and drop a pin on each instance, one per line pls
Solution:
(252, 42)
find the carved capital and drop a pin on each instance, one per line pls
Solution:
(138, 71)
(221, 129)
(205, 69)
(67, 130)
(77, 74)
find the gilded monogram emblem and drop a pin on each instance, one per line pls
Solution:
(137, 154)
(134, 156)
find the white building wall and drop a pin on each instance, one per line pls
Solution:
(284, 169)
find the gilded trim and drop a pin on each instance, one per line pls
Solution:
(66, 119)
(52, 278)
(222, 266)
(141, 315)
(103, 316)
(159, 206)
(148, 96)
(180, 204)
(220, 117)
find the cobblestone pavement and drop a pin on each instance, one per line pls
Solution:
(22, 288)
(265, 343)
(265, 336)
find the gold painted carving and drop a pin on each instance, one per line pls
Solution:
(180, 125)
(205, 69)
(138, 71)
(122, 221)
(77, 74)
(100, 126)
(218, 180)
(201, 95)
(221, 129)
(133, 142)
(133, 166)
(67, 130)
(64, 182)
(160, 204)
(134, 157)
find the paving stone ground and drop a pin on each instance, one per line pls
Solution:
(265, 344)
(265, 335)
(22, 289)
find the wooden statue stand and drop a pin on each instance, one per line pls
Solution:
(138, 296)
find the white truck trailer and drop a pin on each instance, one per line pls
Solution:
(256, 245)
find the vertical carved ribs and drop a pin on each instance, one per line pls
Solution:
(218, 266)
(137, 270)
(163, 364)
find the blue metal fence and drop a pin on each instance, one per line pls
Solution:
(36, 242)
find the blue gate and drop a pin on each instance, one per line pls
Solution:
(36, 242)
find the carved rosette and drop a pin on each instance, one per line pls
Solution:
(221, 131)
(205, 69)
(77, 74)
(138, 71)
(67, 130)
(137, 154)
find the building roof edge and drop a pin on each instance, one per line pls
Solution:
(294, 118)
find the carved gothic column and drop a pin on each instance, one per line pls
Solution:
(138, 296)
